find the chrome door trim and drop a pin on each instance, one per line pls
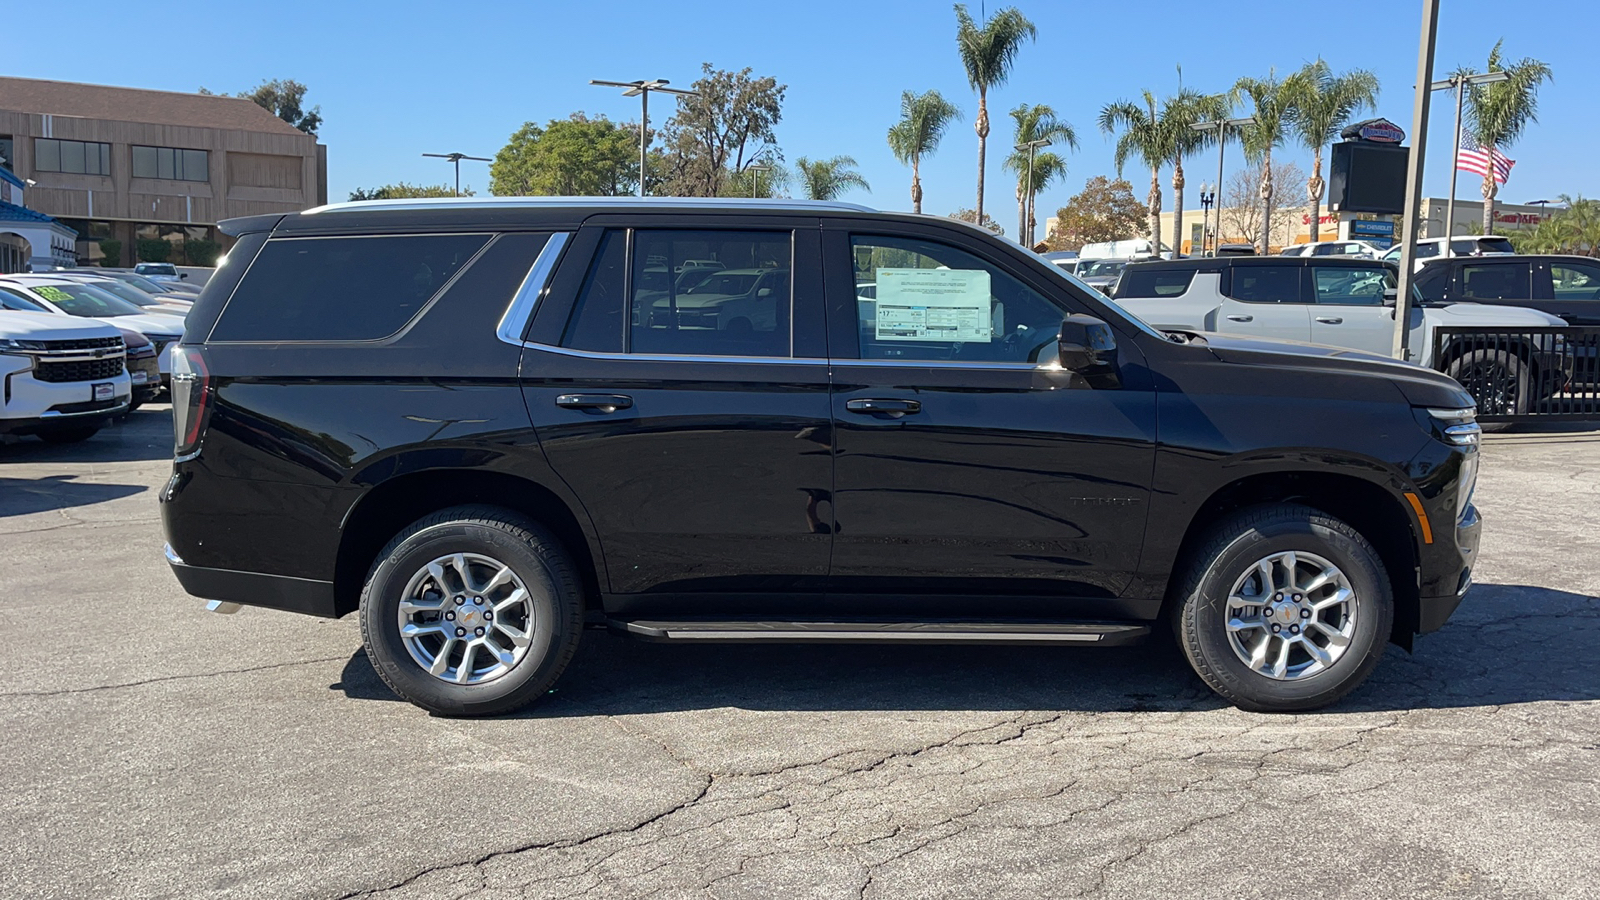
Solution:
(514, 324)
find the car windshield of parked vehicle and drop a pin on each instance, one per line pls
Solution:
(143, 283)
(126, 291)
(17, 301)
(1103, 267)
(84, 300)
(156, 269)
(1352, 285)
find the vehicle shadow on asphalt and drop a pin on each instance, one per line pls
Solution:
(145, 435)
(22, 496)
(1498, 650)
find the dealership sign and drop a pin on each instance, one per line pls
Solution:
(1381, 131)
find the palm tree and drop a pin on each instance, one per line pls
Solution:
(923, 120)
(1179, 112)
(1146, 134)
(1323, 104)
(1036, 123)
(1272, 104)
(1496, 114)
(988, 53)
(826, 179)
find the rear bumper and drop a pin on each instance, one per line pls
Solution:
(299, 595)
(1433, 611)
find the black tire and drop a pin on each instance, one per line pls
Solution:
(69, 435)
(1499, 380)
(1231, 548)
(531, 552)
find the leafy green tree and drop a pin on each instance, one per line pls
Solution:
(284, 98)
(403, 191)
(1271, 102)
(1324, 103)
(826, 179)
(1104, 210)
(572, 157)
(111, 253)
(1144, 134)
(1574, 230)
(971, 218)
(987, 54)
(201, 252)
(154, 250)
(1035, 123)
(719, 131)
(1497, 114)
(923, 120)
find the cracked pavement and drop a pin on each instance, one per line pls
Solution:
(156, 750)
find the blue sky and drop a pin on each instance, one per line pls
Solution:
(399, 79)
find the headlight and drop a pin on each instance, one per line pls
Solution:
(16, 346)
(1460, 427)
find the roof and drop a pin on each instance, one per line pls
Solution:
(734, 204)
(96, 101)
(10, 212)
(1214, 263)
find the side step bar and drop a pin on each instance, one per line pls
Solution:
(946, 631)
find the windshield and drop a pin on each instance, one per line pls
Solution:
(126, 291)
(1102, 267)
(140, 282)
(156, 269)
(83, 300)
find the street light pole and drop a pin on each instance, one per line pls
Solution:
(1419, 149)
(1220, 126)
(457, 158)
(1460, 85)
(755, 169)
(642, 89)
(1027, 201)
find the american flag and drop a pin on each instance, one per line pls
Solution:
(1477, 162)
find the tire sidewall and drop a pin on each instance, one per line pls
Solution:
(1513, 365)
(380, 604)
(1207, 613)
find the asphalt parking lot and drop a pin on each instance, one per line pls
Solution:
(152, 749)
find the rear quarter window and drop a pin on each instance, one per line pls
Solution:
(342, 288)
(1138, 281)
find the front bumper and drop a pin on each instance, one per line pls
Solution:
(1435, 609)
(31, 406)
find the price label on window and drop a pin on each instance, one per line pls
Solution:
(933, 305)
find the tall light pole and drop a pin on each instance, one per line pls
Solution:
(755, 169)
(1460, 85)
(1027, 205)
(1208, 196)
(1419, 148)
(1220, 126)
(642, 89)
(457, 158)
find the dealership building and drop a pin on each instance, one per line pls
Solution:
(131, 165)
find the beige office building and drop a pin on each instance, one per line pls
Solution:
(135, 165)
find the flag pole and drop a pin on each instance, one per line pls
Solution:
(1455, 161)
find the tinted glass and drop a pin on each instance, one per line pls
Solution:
(1575, 281)
(740, 306)
(1495, 282)
(15, 300)
(596, 322)
(341, 289)
(1351, 285)
(1142, 281)
(1425, 251)
(934, 301)
(83, 300)
(126, 291)
(1431, 283)
(1495, 245)
(1266, 284)
(144, 162)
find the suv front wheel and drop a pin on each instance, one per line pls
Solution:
(471, 611)
(1284, 608)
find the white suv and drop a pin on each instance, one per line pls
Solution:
(64, 377)
(1433, 248)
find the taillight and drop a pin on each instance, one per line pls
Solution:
(191, 399)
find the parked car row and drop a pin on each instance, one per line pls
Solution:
(80, 347)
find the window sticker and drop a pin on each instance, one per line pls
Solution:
(933, 305)
(53, 294)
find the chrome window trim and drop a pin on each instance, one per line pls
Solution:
(788, 360)
(514, 324)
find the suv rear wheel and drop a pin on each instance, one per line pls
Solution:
(473, 610)
(1284, 608)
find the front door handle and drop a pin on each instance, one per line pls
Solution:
(1241, 318)
(1330, 320)
(894, 409)
(606, 403)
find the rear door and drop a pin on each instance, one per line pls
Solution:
(694, 428)
(1265, 300)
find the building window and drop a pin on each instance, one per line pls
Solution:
(71, 157)
(7, 160)
(170, 163)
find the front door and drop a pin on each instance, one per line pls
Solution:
(1348, 308)
(969, 464)
(1265, 301)
(689, 412)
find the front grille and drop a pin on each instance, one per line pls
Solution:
(83, 344)
(84, 370)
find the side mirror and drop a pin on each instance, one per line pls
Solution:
(183, 274)
(1088, 347)
(1391, 296)
(764, 292)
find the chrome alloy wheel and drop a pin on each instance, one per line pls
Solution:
(1291, 615)
(466, 618)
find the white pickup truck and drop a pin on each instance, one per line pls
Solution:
(64, 378)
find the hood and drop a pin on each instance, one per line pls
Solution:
(1502, 316)
(134, 340)
(1421, 387)
(152, 323)
(51, 327)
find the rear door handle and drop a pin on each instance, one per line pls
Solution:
(605, 403)
(1330, 320)
(894, 409)
(1241, 318)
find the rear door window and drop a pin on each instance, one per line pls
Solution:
(1496, 282)
(342, 288)
(1575, 281)
(711, 293)
(1140, 281)
(1265, 284)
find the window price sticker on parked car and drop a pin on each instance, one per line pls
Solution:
(933, 305)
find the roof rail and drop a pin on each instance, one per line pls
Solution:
(599, 203)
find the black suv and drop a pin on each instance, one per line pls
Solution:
(1567, 287)
(485, 424)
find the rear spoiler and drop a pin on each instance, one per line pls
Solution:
(249, 224)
